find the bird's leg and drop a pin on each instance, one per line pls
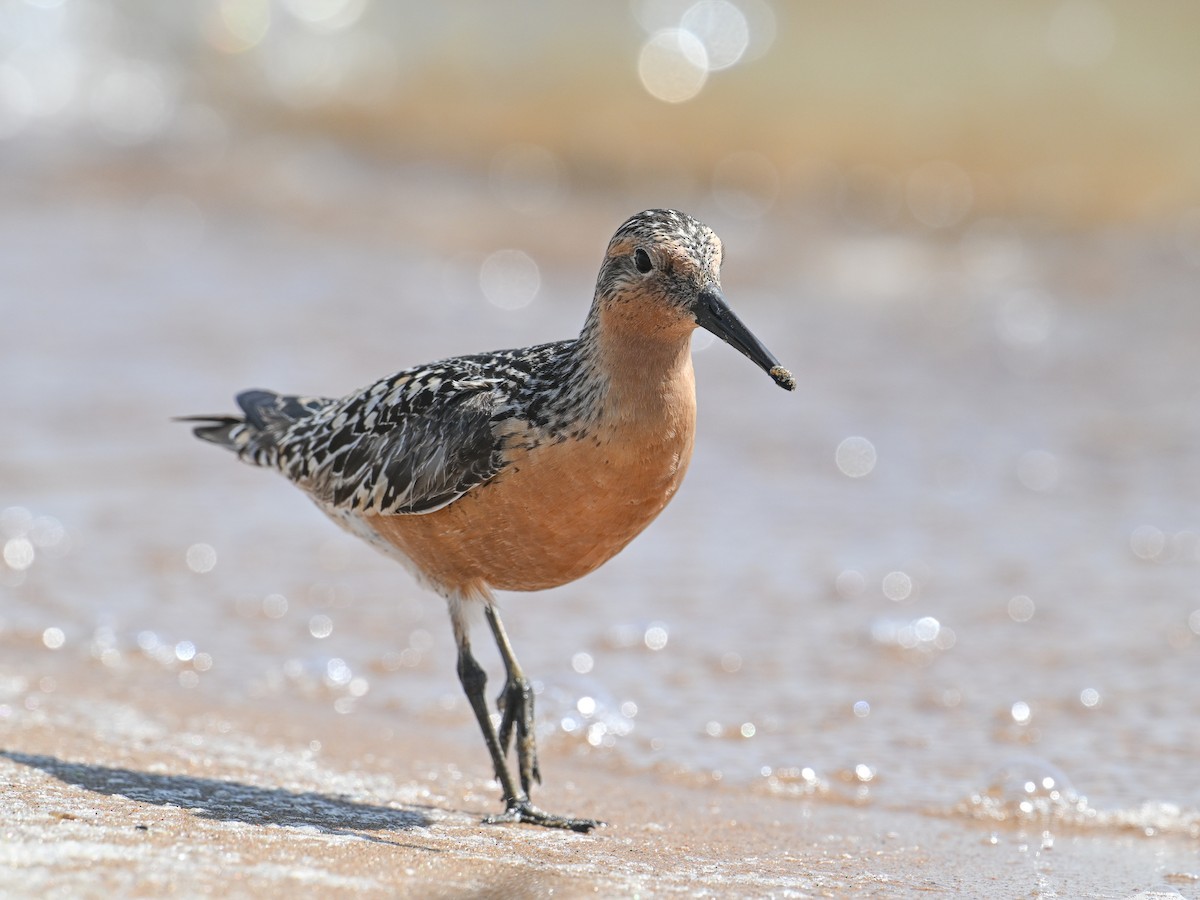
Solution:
(517, 807)
(516, 707)
(473, 679)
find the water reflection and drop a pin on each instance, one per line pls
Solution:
(1148, 542)
(794, 781)
(855, 457)
(510, 279)
(897, 586)
(24, 538)
(722, 28)
(673, 65)
(1038, 470)
(1029, 788)
(925, 634)
(275, 606)
(18, 553)
(201, 558)
(689, 40)
(320, 627)
(584, 708)
(656, 636)
(1021, 608)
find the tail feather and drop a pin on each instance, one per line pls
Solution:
(229, 432)
(267, 416)
(266, 410)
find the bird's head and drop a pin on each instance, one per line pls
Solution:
(662, 275)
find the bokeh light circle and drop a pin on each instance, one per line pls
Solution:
(673, 65)
(855, 457)
(510, 279)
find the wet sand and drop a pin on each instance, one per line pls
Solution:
(799, 682)
(107, 798)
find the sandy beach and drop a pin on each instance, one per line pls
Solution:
(170, 797)
(929, 626)
(206, 703)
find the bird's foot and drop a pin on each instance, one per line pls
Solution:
(526, 812)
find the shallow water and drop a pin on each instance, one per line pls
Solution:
(1012, 583)
(954, 576)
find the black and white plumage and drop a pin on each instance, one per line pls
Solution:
(408, 444)
(518, 469)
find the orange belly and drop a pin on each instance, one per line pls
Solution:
(555, 514)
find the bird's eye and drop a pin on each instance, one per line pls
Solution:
(641, 259)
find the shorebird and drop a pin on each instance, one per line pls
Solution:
(517, 470)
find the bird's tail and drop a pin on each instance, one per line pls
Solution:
(255, 435)
(224, 431)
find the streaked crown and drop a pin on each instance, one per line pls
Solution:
(660, 254)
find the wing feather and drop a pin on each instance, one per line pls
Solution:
(413, 449)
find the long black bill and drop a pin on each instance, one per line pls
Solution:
(714, 314)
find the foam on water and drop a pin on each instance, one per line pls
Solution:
(1031, 792)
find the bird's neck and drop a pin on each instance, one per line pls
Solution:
(640, 369)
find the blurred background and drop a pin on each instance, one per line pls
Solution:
(972, 230)
(927, 115)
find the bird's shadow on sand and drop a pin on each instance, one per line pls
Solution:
(230, 801)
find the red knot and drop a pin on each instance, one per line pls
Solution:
(517, 470)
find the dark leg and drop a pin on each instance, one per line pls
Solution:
(516, 707)
(517, 805)
(473, 679)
